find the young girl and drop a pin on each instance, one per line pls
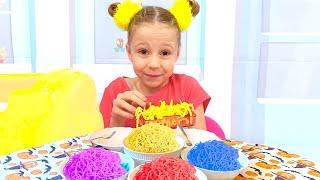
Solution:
(153, 48)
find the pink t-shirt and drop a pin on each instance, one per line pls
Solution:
(180, 87)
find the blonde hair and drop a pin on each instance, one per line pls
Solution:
(154, 14)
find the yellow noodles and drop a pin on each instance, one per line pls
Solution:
(152, 138)
(158, 112)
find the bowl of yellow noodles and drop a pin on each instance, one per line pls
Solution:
(151, 141)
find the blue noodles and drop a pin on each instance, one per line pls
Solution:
(214, 155)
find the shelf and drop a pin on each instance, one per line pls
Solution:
(288, 101)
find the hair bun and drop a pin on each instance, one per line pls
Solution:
(195, 7)
(113, 8)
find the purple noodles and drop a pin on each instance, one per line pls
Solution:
(94, 164)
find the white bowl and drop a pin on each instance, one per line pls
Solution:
(197, 135)
(200, 175)
(143, 157)
(124, 159)
(243, 160)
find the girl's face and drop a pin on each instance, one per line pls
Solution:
(153, 50)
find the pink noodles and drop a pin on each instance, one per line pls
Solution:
(93, 164)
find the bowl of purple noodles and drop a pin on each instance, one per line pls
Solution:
(97, 163)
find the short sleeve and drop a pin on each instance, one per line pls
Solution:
(106, 107)
(196, 93)
(110, 93)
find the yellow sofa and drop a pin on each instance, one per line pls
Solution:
(43, 108)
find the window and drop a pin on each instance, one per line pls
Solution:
(17, 43)
(290, 45)
(6, 55)
(276, 69)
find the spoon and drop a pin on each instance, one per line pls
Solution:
(104, 137)
(188, 142)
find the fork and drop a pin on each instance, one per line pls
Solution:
(104, 137)
(188, 142)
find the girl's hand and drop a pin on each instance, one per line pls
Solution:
(124, 106)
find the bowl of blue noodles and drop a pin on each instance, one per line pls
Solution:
(216, 159)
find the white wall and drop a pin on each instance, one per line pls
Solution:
(220, 30)
(52, 34)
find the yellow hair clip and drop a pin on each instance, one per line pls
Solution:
(125, 11)
(181, 10)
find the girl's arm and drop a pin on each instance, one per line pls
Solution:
(117, 123)
(200, 119)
